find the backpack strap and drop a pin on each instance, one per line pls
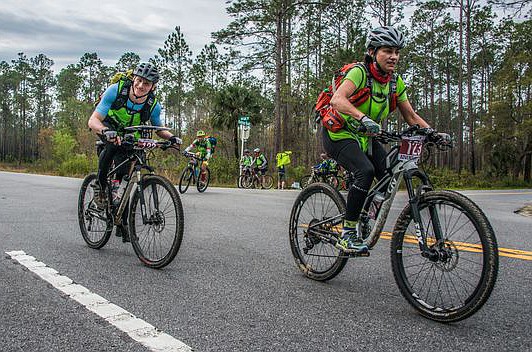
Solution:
(147, 108)
(123, 94)
(393, 93)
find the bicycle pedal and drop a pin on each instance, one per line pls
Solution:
(354, 254)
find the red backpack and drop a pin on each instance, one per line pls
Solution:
(329, 117)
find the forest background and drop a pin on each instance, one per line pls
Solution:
(467, 65)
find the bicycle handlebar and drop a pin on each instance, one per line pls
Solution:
(193, 156)
(432, 136)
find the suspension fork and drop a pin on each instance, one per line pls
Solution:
(413, 196)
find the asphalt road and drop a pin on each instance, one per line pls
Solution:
(234, 285)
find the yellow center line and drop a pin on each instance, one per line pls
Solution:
(496, 193)
(465, 246)
(472, 247)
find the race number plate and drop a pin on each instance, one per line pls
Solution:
(146, 143)
(411, 147)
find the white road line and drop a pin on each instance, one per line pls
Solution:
(136, 328)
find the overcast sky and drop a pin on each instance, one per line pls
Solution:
(64, 30)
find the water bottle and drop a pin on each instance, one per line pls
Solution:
(118, 190)
(375, 205)
(115, 188)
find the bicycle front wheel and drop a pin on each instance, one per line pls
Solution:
(95, 224)
(184, 181)
(315, 225)
(458, 276)
(267, 181)
(203, 180)
(156, 231)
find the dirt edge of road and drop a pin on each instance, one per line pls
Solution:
(525, 211)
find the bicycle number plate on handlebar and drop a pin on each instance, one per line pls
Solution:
(411, 147)
(145, 143)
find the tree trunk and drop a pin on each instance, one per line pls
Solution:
(460, 103)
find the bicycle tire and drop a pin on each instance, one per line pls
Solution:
(460, 220)
(317, 259)
(267, 182)
(163, 229)
(202, 186)
(184, 180)
(247, 181)
(87, 212)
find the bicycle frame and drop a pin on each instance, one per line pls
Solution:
(133, 178)
(396, 170)
(389, 185)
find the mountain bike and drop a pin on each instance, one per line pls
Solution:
(317, 176)
(252, 179)
(444, 252)
(155, 213)
(194, 173)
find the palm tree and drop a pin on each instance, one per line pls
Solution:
(234, 101)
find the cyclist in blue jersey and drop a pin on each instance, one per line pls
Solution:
(124, 104)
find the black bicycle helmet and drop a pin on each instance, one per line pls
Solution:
(147, 71)
(385, 36)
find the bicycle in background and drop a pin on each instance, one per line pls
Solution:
(251, 179)
(193, 173)
(316, 175)
(155, 213)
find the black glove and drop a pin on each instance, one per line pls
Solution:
(175, 140)
(109, 135)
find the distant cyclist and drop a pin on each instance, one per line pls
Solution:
(245, 162)
(203, 148)
(327, 166)
(260, 163)
(123, 104)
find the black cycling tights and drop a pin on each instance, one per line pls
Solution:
(364, 168)
(111, 152)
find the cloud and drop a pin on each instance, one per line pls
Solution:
(64, 30)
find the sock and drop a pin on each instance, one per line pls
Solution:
(349, 226)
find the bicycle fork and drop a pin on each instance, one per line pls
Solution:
(421, 233)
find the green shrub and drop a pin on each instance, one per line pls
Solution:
(77, 165)
(224, 171)
(63, 145)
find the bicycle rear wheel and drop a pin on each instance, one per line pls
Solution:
(202, 185)
(184, 181)
(315, 224)
(459, 276)
(267, 181)
(156, 241)
(95, 224)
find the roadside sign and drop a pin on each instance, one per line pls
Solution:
(244, 121)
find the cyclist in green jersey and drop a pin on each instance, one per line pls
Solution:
(260, 163)
(361, 155)
(246, 161)
(203, 148)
